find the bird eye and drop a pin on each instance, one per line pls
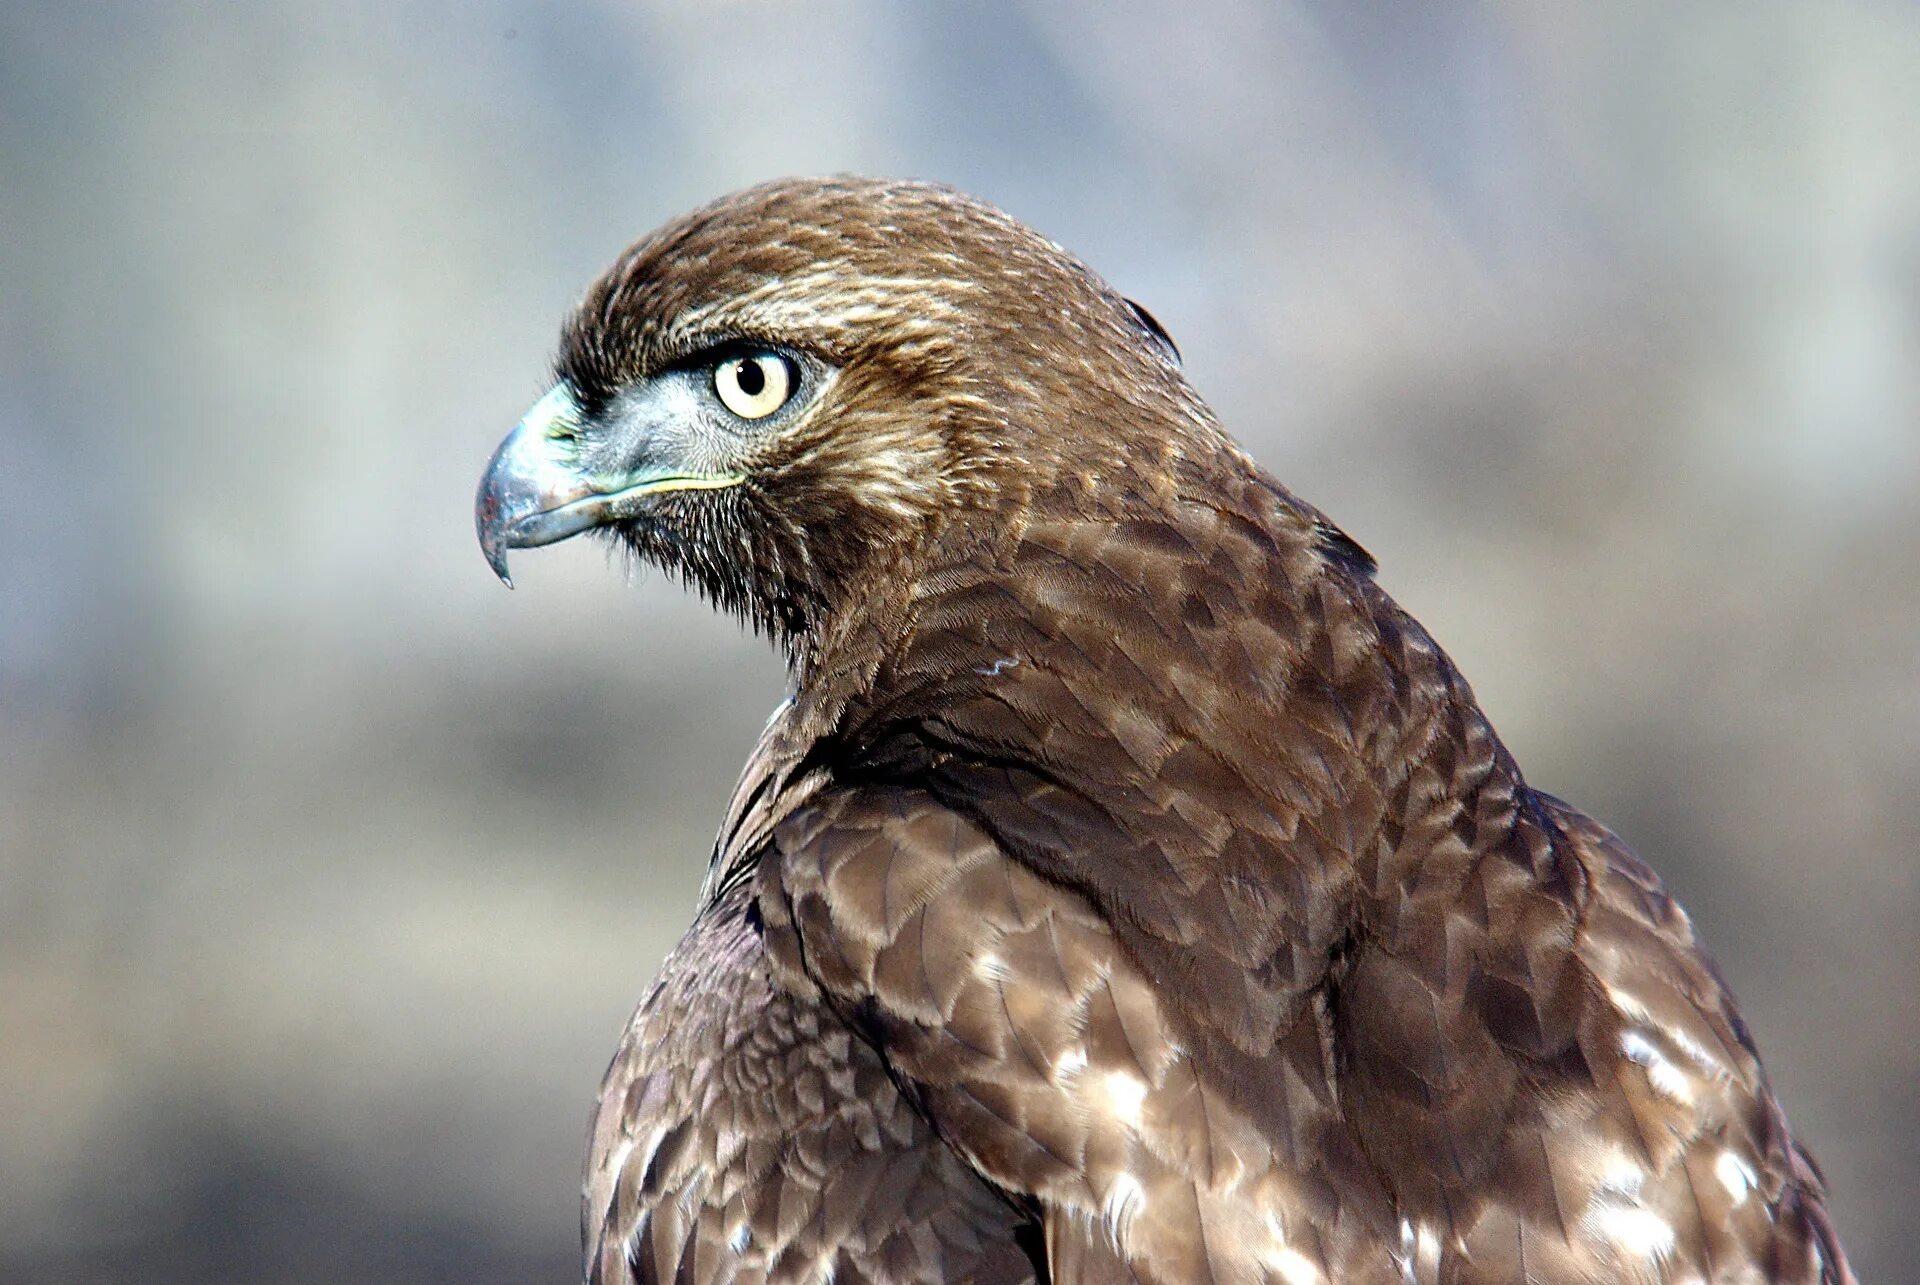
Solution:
(753, 385)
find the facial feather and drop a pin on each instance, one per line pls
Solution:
(974, 364)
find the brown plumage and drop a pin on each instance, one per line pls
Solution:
(1130, 890)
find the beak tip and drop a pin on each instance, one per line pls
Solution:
(496, 555)
(490, 525)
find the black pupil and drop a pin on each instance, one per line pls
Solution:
(752, 376)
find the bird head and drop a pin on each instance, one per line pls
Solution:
(787, 395)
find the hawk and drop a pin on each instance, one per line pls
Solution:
(1128, 890)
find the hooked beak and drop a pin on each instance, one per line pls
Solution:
(534, 492)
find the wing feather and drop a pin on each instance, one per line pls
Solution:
(745, 1136)
(1628, 1138)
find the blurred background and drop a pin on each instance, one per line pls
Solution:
(329, 870)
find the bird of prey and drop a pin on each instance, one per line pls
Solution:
(1129, 890)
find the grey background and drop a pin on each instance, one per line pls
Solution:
(329, 870)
